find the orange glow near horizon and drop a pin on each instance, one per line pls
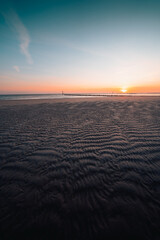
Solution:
(38, 85)
(66, 89)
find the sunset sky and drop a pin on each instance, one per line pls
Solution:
(79, 46)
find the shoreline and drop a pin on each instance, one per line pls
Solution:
(77, 99)
(71, 96)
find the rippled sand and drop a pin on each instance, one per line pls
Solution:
(81, 169)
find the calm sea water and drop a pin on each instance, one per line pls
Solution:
(55, 96)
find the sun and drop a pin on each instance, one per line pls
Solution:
(123, 90)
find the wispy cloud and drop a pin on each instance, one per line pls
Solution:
(16, 24)
(16, 68)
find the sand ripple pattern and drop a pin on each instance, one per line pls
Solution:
(80, 170)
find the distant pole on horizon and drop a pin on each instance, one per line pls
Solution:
(62, 93)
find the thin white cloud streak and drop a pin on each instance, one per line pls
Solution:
(16, 68)
(79, 48)
(16, 24)
(89, 51)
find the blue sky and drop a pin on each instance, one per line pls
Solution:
(79, 45)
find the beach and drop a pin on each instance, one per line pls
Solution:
(82, 168)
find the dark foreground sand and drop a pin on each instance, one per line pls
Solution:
(80, 169)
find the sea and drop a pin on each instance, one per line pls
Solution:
(59, 96)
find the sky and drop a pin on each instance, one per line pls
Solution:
(79, 46)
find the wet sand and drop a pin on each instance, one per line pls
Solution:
(82, 169)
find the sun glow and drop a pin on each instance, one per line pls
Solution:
(123, 90)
